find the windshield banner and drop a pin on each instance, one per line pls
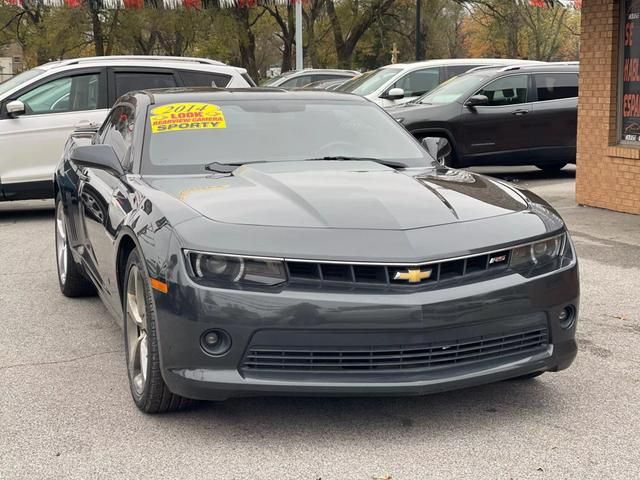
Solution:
(175, 117)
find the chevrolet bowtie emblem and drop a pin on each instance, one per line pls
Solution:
(413, 275)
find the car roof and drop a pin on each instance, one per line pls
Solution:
(207, 94)
(459, 61)
(140, 60)
(318, 70)
(540, 67)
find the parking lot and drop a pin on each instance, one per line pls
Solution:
(65, 409)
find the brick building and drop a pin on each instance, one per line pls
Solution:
(608, 173)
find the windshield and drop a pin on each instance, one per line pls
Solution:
(369, 82)
(184, 138)
(453, 89)
(274, 80)
(19, 79)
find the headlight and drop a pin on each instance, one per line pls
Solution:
(232, 270)
(541, 256)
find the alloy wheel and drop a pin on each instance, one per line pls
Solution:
(137, 338)
(61, 244)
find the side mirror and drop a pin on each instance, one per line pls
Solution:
(97, 156)
(476, 100)
(395, 93)
(438, 147)
(15, 108)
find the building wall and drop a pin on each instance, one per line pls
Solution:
(607, 175)
(14, 52)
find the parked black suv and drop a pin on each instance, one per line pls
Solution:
(515, 115)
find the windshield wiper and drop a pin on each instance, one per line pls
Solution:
(223, 167)
(387, 163)
(231, 167)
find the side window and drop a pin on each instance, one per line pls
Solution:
(554, 86)
(68, 94)
(318, 78)
(117, 131)
(300, 81)
(131, 81)
(204, 79)
(510, 90)
(419, 82)
(455, 70)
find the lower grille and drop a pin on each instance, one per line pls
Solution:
(393, 358)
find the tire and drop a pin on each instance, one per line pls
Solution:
(149, 392)
(70, 277)
(552, 167)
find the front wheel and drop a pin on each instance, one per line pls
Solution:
(149, 392)
(71, 280)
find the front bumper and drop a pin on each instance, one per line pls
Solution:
(315, 319)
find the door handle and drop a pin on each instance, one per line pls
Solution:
(520, 112)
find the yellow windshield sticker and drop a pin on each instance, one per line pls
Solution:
(175, 117)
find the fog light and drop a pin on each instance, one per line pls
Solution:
(215, 342)
(211, 338)
(567, 316)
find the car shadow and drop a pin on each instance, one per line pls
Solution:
(339, 418)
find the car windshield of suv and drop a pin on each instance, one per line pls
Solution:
(369, 82)
(453, 89)
(185, 137)
(18, 80)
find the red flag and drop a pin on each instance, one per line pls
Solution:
(195, 4)
(577, 4)
(133, 4)
(73, 3)
(17, 3)
(537, 3)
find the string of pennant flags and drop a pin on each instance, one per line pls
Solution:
(138, 4)
(195, 4)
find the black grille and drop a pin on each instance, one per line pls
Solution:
(473, 268)
(384, 359)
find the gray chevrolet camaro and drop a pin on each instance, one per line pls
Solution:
(261, 242)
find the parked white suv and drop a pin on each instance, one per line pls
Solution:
(400, 83)
(41, 107)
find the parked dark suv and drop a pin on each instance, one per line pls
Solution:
(515, 115)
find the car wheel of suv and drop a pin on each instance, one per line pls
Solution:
(70, 278)
(552, 167)
(149, 392)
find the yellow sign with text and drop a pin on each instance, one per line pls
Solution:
(176, 117)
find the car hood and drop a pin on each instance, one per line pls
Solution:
(401, 111)
(341, 194)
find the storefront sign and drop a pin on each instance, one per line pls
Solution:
(630, 108)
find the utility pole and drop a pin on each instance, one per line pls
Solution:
(418, 32)
(299, 56)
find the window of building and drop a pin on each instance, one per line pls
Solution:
(629, 87)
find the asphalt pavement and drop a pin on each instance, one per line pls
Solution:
(65, 409)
